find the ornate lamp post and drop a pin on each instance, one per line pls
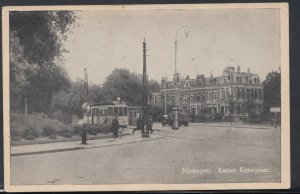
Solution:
(177, 98)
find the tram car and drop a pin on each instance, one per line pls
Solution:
(104, 113)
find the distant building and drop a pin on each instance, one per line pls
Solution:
(232, 93)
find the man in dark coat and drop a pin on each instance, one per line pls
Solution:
(83, 134)
(139, 124)
(149, 123)
(115, 127)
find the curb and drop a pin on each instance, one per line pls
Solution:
(79, 148)
(90, 137)
(47, 151)
(249, 127)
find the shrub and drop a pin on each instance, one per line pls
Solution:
(52, 136)
(15, 134)
(66, 132)
(68, 135)
(15, 138)
(93, 129)
(30, 137)
(30, 133)
(76, 129)
(48, 131)
(104, 128)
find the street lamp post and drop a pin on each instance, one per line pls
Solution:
(175, 109)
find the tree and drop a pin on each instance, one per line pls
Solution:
(129, 86)
(70, 101)
(19, 69)
(36, 70)
(272, 92)
(120, 83)
(250, 108)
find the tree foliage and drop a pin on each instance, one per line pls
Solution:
(36, 47)
(70, 101)
(120, 83)
(129, 86)
(272, 92)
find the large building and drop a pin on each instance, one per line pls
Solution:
(234, 93)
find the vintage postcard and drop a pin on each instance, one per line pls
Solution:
(146, 97)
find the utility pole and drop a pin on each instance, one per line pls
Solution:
(145, 93)
(86, 113)
(86, 86)
(26, 108)
(165, 102)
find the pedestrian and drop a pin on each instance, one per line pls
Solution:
(149, 124)
(139, 124)
(83, 134)
(170, 119)
(115, 127)
(275, 121)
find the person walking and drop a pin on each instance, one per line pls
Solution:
(83, 134)
(115, 127)
(149, 123)
(139, 124)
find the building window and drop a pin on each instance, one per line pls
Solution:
(242, 93)
(198, 98)
(227, 93)
(215, 94)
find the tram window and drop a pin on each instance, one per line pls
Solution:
(110, 111)
(105, 112)
(125, 111)
(121, 111)
(116, 111)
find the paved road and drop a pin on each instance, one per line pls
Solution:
(192, 154)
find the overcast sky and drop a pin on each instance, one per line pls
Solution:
(217, 39)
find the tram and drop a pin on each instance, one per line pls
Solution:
(103, 113)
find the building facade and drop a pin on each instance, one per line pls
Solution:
(235, 93)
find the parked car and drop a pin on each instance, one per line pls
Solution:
(167, 120)
(183, 119)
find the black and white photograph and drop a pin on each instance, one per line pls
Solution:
(146, 97)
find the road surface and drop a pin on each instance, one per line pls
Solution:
(194, 154)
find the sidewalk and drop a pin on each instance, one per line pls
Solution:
(235, 125)
(76, 145)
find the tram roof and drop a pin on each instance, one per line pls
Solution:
(107, 104)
